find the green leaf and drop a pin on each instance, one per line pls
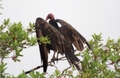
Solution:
(44, 40)
(3, 67)
(37, 75)
(22, 75)
(6, 22)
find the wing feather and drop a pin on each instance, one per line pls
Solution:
(72, 35)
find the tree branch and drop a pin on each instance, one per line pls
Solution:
(50, 64)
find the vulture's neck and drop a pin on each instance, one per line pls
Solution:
(54, 23)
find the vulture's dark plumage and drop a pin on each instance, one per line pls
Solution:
(59, 43)
(71, 34)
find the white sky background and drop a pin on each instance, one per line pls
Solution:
(87, 16)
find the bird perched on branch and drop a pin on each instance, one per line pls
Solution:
(59, 43)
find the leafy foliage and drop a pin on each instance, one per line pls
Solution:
(95, 64)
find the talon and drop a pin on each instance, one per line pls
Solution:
(53, 59)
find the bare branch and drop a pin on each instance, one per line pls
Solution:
(66, 69)
(50, 64)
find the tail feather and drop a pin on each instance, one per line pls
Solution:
(72, 59)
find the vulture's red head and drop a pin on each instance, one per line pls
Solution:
(50, 16)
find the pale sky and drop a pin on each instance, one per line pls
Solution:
(87, 16)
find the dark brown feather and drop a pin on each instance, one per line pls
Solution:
(42, 47)
(58, 43)
(72, 35)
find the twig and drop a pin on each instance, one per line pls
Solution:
(66, 69)
(53, 66)
(70, 67)
(62, 58)
(42, 65)
(33, 69)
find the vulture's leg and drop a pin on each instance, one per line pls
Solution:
(57, 57)
(53, 58)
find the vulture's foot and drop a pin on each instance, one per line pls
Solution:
(53, 59)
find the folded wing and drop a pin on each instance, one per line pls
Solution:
(72, 35)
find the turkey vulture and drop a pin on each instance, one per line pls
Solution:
(71, 34)
(58, 43)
